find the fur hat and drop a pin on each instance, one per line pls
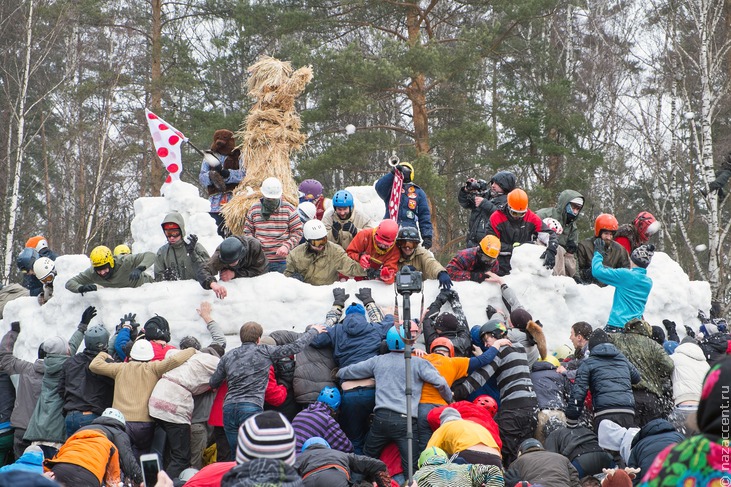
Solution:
(446, 322)
(642, 255)
(619, 478)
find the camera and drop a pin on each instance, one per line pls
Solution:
(476, 185)
(408, 281)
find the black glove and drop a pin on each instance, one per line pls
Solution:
(426, 242)
(364, 294)
(571, 247)
(489, 311)
(349, 227)
(15, 326)
(689, 331)
(136, 273)
(442, 298)
(340, 297)
(225, 173)
(130, 319)
(714, 186)
(373, 274)
(452, 295)
(477, 276)
(599, 246)
(86, 318)
(336, 229)
(190, 244)
(549, 259)
(669, 325)
(87, 288)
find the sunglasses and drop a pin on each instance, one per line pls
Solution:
(318, 243)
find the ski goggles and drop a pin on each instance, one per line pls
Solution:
(516, 213)
(407, 245)
(173, 233)
(320, 242)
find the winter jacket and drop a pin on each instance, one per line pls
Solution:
(321, 268)
(609, 376)
(413, 208)
(389, 371)
(460, 337)
(552, 388)
(134, 381)
(262, 472)
(210, 475)
(469, 411)
(318, 457)
(544, 468)
(32, 284)
(282, 228)
(615, 258)
(116, 433)
(253, 263)
(160, 350)
(246, 368)
(568, 222)
(233, 163)
(461, 434)
(364, 243)
(715, 347)
(479, 223)
(31, 461)
(10, 292)
(81, 389)
(341, 231)
(30, 377)
(652, 438)
(47, 422)
(423, 261)
(312, 368)
(572, 442)
(118, 276)
(173, 262)
(92, 450)
(355, 339)
(465, 266)
(513, 231)
(172, 398)
(690, 368)
(647, 355)
(632, 288)
(317, 420)
(275, 394)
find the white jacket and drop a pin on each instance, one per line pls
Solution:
(690, 370)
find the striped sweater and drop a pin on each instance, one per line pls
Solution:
(316, 420)
(283, 227)
(510, 368)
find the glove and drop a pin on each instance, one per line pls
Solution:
(382, 479)
(445, 282)
(349, 227)
(15, 326)
(336, 229)
(365, 261)
(169, 274)
(714, 186)
(489, 311)
(364, 294)
(452, 296)
(87, 288)
(86, 318)
(549, 259)
(599, 246)
(225, 173)
(190, 244)
(669, 325)
(340, 297)
(477, 276)
(135, 275)
(387, 274)
(129, 318)
(442, 298)
(372, 274)
(571, 247)
(689, 331)
(426, 242)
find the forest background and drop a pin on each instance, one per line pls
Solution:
(625, 101)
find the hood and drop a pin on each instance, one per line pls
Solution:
(31, 461)
(563, 199)
(319, 407)
(355, 324)
(654, 427)
(612, 436)
(505, 180)
(177, 218)
(691, 350)
(54, 364)
(539, 365)
(109, 423)
(605, 350)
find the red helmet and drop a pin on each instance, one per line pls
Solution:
(605, 222)
(646, 225)
(487, 402)
(386, 232)
(442, 342)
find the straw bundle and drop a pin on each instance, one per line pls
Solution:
(270, 135)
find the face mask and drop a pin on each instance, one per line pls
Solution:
(269, 204)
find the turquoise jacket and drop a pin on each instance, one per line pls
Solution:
(632, 288)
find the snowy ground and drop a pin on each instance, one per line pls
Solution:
(280, 303)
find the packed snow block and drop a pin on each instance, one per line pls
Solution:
(368, 201)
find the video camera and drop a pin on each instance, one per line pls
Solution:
(476, 186)
(408, 282)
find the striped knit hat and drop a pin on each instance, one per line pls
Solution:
(266, 435)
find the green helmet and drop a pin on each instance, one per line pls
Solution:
(431, 452)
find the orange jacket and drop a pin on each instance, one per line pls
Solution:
(364, 243)
(91, 450)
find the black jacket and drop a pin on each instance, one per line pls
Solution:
(81, 389)
(317, 456)
(654, 437)
(572, 442)
(460, 338)
(116, 433)
(552, 388)
(480, 215)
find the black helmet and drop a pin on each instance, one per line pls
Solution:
(530, 444)
(231, 250)
(96, 338)
(408, 234)
(494, 327)
(157, 328)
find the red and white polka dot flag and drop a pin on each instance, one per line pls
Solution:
(167, 140)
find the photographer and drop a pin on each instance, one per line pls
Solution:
(483, 199)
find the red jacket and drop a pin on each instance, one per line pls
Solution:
(216, 416)
(364, 243)
(275, 393)
(160, 350)
(210, 475)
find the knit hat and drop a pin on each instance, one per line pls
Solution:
(266, 435)
(519, 317)
(449, 414)
(56, 345)
(642, 255)
(355, 308)
(670, 346)
(446, 322)
(597, 337)
(658, 334)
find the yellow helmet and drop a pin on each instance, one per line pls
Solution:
(408, 171)
(122, 249)
(563, 351)
(101, 256)
(552, 360)
(490, 245)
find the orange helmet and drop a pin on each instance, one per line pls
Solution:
(490, 245)
(518, 200)
(38, 243)
(386, 232)
(605, 222)
(442, 342)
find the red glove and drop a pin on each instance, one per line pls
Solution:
(387, 274)
(365, 261)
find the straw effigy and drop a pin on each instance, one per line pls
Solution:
(270, 135)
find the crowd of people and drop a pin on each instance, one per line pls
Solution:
(482, 404)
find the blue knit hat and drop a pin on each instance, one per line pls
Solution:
(355, 308)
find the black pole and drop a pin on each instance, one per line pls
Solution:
(408, 342)
(196, 148)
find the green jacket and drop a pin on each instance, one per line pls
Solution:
(320, 269)
(558, 212)
(423, 261)
(616, 257)
(123, 266)
(647, 355)
(47, 422)
(173, 263)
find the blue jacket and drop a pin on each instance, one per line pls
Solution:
(609, 376)
(552, 389)
(413, 210)
(632, 288)
(31, 461)
(653, 438)
(355, 339)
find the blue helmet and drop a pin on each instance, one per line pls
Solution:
(331, 396)
(26, 259)
(394, 340)
(315, 440)
(343, 199)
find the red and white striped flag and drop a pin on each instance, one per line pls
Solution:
(167, 140)
(395, 200)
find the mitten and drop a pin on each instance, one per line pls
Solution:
(191, 243)
(169, 274)
(339, 297)
(364, 294)
(445, 282)
(87, 288)
(689, 331)
(387, 273)
(217, 181)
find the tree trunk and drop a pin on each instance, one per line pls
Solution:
(156, 173)
(416, 90)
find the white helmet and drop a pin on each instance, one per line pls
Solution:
(554, 225)
(307, 210)
(271, 188)
(314, 230)
(114, 414)
(44, 267)
(142, 351)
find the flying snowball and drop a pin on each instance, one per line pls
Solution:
(700, 248)
(350, 129)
